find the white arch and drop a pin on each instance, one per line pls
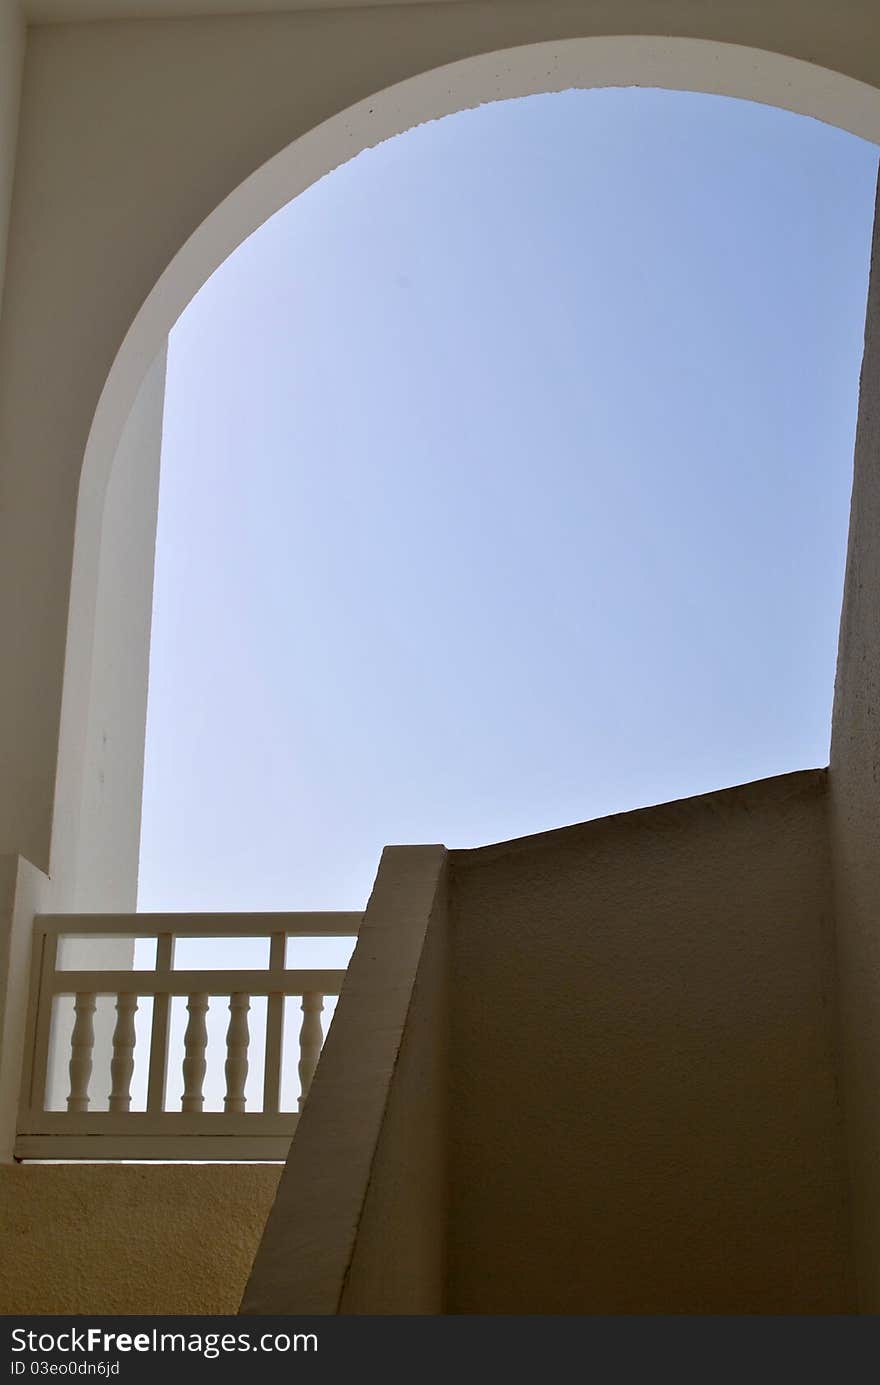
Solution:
(674, 63)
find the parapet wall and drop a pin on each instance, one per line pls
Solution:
(644, 1083)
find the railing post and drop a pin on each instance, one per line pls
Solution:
(159, 1029)
(24, 892)
(274, 1030)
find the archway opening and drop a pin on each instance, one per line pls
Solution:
(90, 825)
(524, 479)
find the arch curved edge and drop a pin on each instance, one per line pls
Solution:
(676, 64)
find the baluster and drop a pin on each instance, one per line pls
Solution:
(195, 1041)
(237, 1041)
(81, 1044)
(122, 1062)
(310, 1039)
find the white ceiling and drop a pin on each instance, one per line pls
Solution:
(63, 11)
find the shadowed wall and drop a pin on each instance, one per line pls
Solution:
(644, 1103)
(854, 796)
(123, 1238)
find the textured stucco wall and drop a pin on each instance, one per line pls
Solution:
(115, 1238)
(399, 1259)
(358, 1225)
(854, 790)
(12, 43)
(644, 1107)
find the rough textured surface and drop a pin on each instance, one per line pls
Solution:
(854, 784)
(644, 1107)
(11, 64)
(115, 1238)
(360, 1188)
(399, 1260)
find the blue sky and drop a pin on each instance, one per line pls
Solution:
(505, 484)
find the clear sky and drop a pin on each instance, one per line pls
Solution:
(504, 485)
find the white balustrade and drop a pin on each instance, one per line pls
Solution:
(82, 1043)
(310, 1040)
(195, 1043)
(189, 1132)
(122, 1062)
(237, 1040)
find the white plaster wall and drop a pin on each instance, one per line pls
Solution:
(99, 791)
(12, 42)
(97, 852)
(24, 892)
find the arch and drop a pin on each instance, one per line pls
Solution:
(635, 60)
(676, 64)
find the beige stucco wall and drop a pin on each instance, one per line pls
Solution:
(12, 43)
(359, 1223)
(645, 1113)
(854, 780)
(637, 1108)
(399, 1260)
(116, 1238)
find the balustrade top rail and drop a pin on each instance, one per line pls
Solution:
(320, 924)
(84, 1132)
